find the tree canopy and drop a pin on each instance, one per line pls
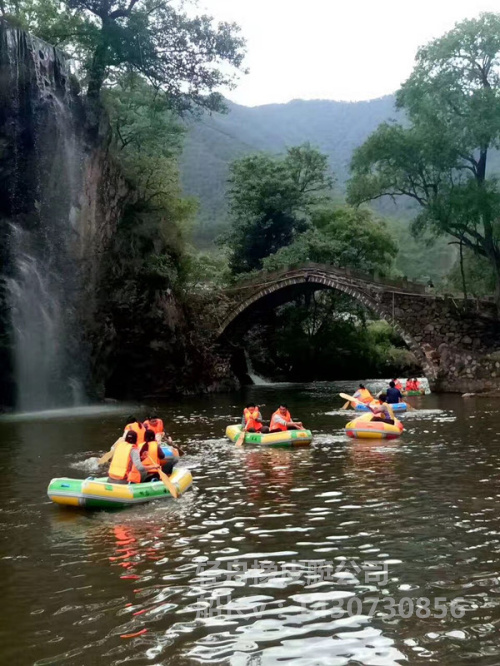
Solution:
(186, 57)
(439, 158)
(343, 236)
(270, 199)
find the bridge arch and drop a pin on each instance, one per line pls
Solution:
(370, 293)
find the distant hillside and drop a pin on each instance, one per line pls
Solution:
(336, 128)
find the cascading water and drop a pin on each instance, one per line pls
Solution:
(256, 379)
(42, 278)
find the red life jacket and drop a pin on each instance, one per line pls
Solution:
(398, 385)
(275, 425)
(251, 416)
(156, 425)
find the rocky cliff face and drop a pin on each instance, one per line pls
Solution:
(40, 172)
(63, 204)
(61, 196)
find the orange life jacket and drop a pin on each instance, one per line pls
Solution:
(157, 427)
(251, 416)
(410, 385)
(365, 396)
(150, 455)
(275, 425)
(137, 428)
(121, 467)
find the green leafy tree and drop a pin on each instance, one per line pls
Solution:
(325, 334)
(270, 200)
(440, 157)
(343, 236)
(141, 119)
(186, 57)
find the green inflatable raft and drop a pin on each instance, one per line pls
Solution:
(99, 494)
(282, 438)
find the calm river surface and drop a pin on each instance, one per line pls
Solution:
(299, 528)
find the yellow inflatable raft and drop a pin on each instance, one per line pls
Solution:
(99, 494)
(282, 438)
(364, 428)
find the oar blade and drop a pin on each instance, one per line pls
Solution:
(241, 438)
(168, 484)
(105, 458)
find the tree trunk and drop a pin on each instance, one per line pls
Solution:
(98, 66)
(464, 283)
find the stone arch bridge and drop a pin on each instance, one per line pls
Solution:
(456, 341)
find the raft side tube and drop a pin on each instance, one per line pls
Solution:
(99, 493)
(301, 437)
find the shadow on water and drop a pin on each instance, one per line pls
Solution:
(275, 555)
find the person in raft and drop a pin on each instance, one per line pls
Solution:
(155, 424)
(152, 455)
(393, 394)
(397, 384)
(136, 426)
(281, 420)
(363, 395)
(383, 411)
(151, 435)
(251, 420)
(126, 465)
(412, 384)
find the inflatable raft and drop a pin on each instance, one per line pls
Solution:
(397, 407)
(419, 392)
(99, 494)
(282, 438)
(364, 428)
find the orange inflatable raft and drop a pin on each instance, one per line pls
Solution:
(364, 428)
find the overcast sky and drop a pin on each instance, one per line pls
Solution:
(334, 49)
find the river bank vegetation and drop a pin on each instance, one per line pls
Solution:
(143, 69)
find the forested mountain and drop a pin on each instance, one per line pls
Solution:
(336, 128)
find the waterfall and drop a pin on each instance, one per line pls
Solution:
(256, 379)
(42, 187)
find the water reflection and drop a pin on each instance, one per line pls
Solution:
(264, 560)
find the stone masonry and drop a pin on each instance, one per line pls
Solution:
(457, 341)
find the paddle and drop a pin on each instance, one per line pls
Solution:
(346, 405)
(351, 398)
(166, 481)
(241, 438)
(107, 456)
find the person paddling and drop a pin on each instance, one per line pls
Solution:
(126, 465)
(397, 384)
(152, 455)
(136, 426)
(393, 394)
(281, 420)
(383, 411)
(251, 420)
(410, 385)
(363, 395)
(155, 424)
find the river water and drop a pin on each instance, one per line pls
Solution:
(308, 545)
